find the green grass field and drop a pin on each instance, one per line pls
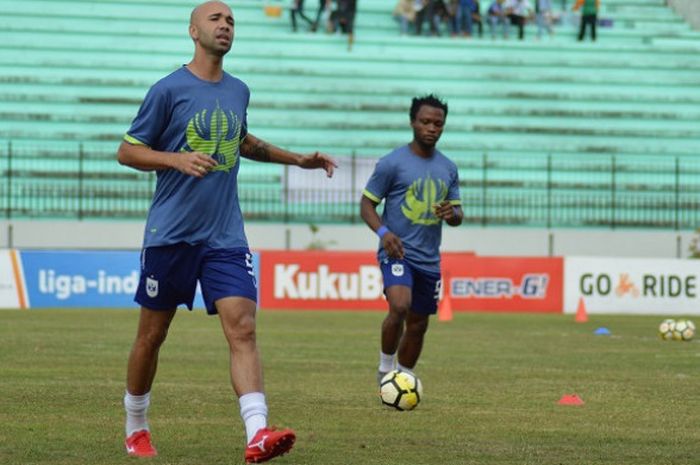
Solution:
(491, 384)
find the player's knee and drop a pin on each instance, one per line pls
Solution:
(243, 332)
(417, 327)
(393, 320)
(399, 310)
(153, 337)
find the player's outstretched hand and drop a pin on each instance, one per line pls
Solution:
(195, 164)
(392, 245)
(444, 210)
(319, 160)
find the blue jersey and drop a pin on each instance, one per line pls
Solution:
(182, 113)
(411, 186)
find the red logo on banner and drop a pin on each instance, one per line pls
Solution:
(626, 286)
(321, 280)
(507, 284)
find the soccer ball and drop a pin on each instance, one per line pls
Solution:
(666, 329)
(401, 390)
(683, 330)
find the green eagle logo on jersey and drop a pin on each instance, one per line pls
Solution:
(420, 199)
(217, 133)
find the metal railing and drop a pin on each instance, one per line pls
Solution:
(601, 191)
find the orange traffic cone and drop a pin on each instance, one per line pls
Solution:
(570, 399)
(445, 305)
(581, 314)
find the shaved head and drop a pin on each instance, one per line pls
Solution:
(203, 9)
(211, 28)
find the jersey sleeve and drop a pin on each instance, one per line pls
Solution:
(244, 124)
(379, 182)
(150, 120)
(453, 195)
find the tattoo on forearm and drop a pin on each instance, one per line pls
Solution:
(259, 151)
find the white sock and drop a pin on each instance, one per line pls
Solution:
(136, 408)
(386, 362)
(253, 412)
(403, 368)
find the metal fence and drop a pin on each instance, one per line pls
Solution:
(548, 190)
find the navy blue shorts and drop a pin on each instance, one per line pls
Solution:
(425, 286)
(169, 276)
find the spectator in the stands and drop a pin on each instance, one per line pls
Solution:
(498, 18)
(405, 14)
(442, 15)
(589, 16)
(543, 12)
(519, 11)
(452, 16)
(476, 18)
(426, 10)
(344, 19)
(298, 9)
(464, 19)
(323, 14)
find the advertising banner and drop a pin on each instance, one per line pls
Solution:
(320, 280)
(80, 279)
(85, 279)
(503, 284)
(11, 290)
(633, 285)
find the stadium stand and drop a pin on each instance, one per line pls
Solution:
(546, 133)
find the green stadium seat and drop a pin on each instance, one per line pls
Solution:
(534, 126)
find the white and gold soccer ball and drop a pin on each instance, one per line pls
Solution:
(401, 390)
(666, 329)
(683, 330)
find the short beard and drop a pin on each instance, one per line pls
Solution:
(214, 50)
(219, 52)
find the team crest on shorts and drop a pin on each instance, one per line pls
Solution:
(397, 269)
(151, 287)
